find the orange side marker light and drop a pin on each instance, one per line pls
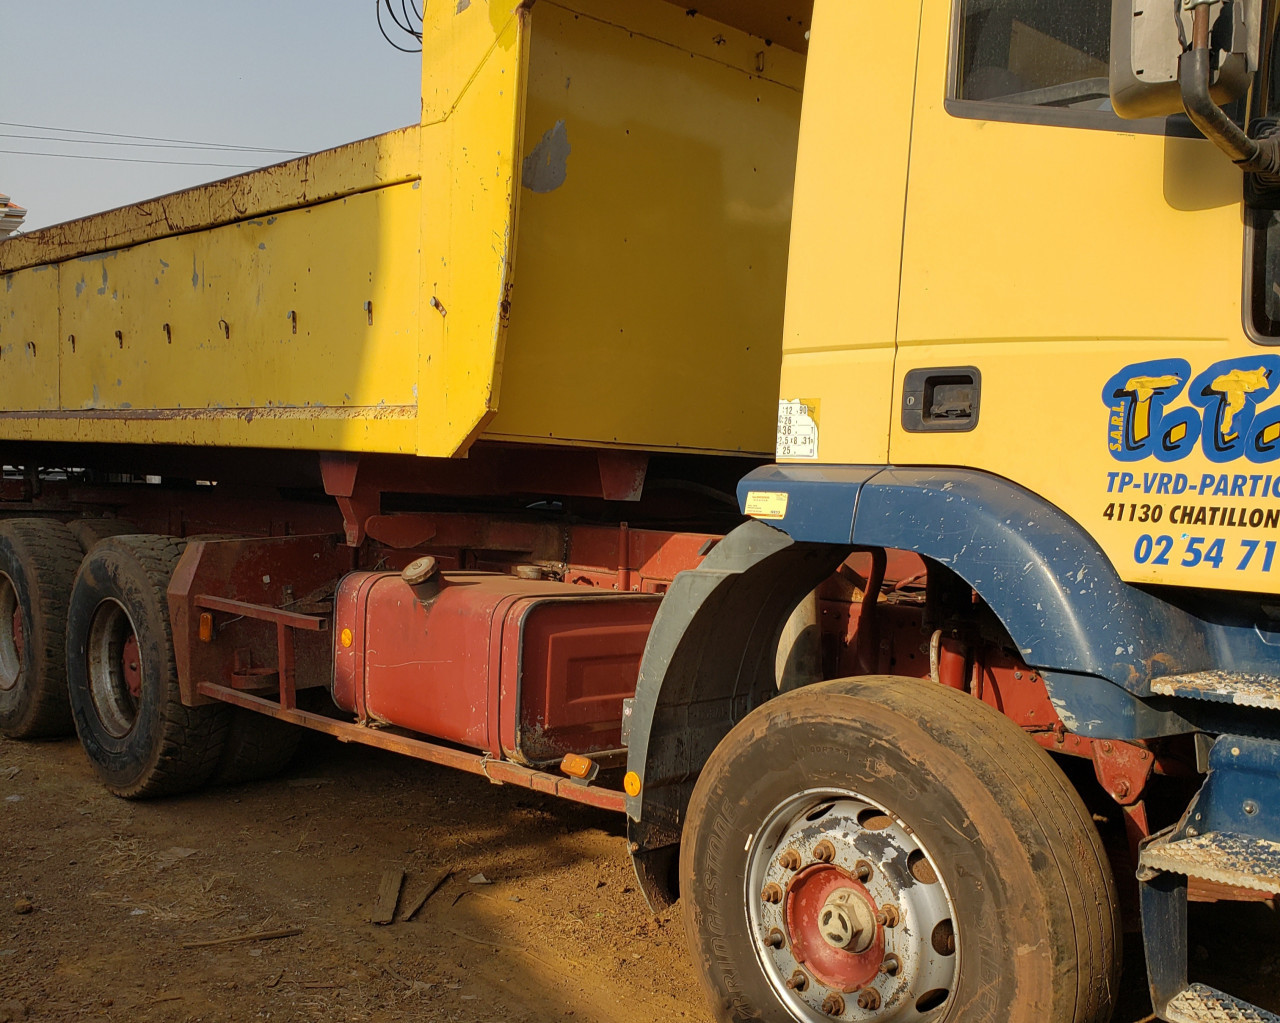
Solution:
(579, 767)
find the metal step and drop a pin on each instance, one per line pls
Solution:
(1202, 1004)
(1239, 860)
(1241, 688)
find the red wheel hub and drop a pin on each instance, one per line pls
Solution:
(838, 968)
(18, 642)
(132, 667)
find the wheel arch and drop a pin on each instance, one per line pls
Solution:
(710, 656)
(688, 696)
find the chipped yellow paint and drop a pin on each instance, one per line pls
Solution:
(188, 309)
(650, 266)
(846, 237)
(406, 294)
(472, 102)
(29, 340)
(376, 162)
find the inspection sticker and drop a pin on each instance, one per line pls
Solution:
(798, 428)
(766, 504)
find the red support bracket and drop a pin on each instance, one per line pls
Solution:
(285, 622)
(500, 772)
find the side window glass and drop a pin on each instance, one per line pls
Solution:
(1034, 53)
(1262, 247)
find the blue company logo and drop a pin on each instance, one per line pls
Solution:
(1224, 415)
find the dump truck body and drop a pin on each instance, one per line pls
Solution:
(412, 296)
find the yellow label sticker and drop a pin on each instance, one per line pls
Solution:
(766, 504)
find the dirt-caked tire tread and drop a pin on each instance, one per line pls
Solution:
(1026, 792)
(257, 747)
(47, 557)
(186, 748)
(91, 532)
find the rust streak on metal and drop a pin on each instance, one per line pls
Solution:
(287, 619)
(370, 164)
(499, 771)
(257, 412)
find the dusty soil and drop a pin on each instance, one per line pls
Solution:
(560, 932)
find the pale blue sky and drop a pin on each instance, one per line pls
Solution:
(292, 74)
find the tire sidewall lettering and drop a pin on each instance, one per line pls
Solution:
(995, 926)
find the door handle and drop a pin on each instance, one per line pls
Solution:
(943, 400)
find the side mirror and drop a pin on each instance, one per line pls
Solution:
(1149, 36)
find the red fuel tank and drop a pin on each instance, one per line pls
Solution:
(525, 669)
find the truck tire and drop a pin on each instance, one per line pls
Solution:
(90, 532)
(38, 561)
(913, 849)
(257, 747)
(121, 678)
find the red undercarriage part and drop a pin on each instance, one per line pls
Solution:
(526, 670)
(512, 670)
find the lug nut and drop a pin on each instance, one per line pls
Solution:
(862, 870)
(772, 892)
(890, 965)
(833, 1005)
(888, 916)
(775, 938)
(790, 860)
(798, 981)
(824, 851)
(869, 998)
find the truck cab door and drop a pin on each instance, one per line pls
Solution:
(1048, 245)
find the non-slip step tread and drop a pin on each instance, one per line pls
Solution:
(1200, 1003)
(1242, 688)
(1239, 860)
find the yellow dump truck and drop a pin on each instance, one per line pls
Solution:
(837, 436)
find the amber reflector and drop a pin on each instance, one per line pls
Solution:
(577, 766)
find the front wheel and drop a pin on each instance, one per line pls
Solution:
(885, 849)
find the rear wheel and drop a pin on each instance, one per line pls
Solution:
(38, 560)
(91, 532)
(887, 849)
(257, 747)
(122, 682)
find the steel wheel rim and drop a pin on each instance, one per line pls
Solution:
(11, 635)
(114, 677)
(812, 880)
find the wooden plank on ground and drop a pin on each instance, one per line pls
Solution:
(434, 881)
(384, 910)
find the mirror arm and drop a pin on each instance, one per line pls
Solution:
(1257, 156)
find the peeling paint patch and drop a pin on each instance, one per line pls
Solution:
(262, 245)
(103, 290)
(462, 6)
(195, 273)
(547, 165)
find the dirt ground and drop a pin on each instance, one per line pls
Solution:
(98, 896)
